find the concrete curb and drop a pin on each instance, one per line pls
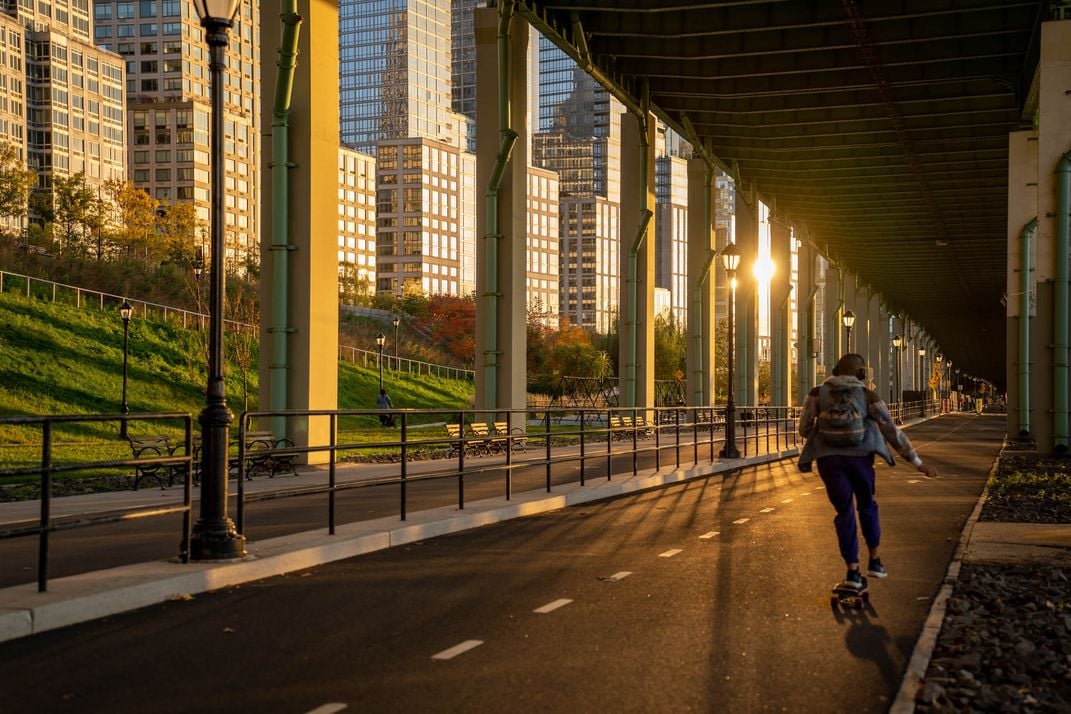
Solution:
(931, 628)
(89, 596)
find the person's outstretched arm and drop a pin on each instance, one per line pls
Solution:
(809, 414)
(879, 412)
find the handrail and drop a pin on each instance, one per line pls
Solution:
(46, 524)
(404, 364)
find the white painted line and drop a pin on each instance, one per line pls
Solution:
(708, 536)
(458, 649)
(618, 576)
(819, 488)
(669, 553)
(805, 493)
(740, 521)
(766, 510)
(329, 708)
(787, 500)
(552, 606)
(914, 480)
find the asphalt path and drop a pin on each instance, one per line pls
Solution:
(708, 596)
(111, 545)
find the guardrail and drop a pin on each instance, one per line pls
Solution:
(46, 524)
(368, 358)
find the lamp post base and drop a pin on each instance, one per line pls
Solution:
(216, 540)
(729, 453)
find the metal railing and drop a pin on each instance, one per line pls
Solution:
(369, 358)
(520, 440)
(47, 524)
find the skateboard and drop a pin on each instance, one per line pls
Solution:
(847, 596)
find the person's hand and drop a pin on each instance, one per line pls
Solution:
(928, 470)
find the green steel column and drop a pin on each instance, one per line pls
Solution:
(280, 184)
(493, 235)
(633, 258)
(1060, 308)
(1025, 238)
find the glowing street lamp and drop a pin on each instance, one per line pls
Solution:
(898, 345)
(397, 362)
(849, 323)
(381, 339)
(730, 258)
(214, 535)
(125, 312)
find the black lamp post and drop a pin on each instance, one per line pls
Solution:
(849, 323)
(898, 345)
(922, 377)
(381, 339)
(214, 534)
(125, 311)
(397, 362)
(730, 258)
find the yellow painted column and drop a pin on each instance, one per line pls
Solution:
(312, 346)
(701, 325)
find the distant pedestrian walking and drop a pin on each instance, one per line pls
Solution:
(845, 424)
(383, 402)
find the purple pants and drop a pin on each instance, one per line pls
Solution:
(846, 477)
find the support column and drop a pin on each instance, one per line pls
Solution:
(312, 287)
(701, 272)
(780, 312)
(637, 263)
(1022, 208)
(747, 302)
(1049, 334)
(834, 308)
(878, 332)
(501, 300)
(806, 323)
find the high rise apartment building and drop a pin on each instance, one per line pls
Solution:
(61, 98)
(671, 234)
(357, 218)
(542, 270)
(588, 261)
(420, 235)
(168, 108)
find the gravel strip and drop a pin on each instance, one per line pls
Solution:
(1005, 643)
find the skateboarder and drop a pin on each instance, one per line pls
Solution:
(845, 424)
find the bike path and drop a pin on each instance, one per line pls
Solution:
(734, 621)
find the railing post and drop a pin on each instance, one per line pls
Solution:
(46, 505)
(695, 436)
(461, 463)
(581, 447)
(657, 440)
(331, 474)
(609, 446)
(711, 427)
(405, 458)
(187, 494)
(548, 451)
(239, 515)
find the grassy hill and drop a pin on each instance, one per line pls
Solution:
(56, 358)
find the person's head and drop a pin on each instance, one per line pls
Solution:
(852, 365)
(382, 391)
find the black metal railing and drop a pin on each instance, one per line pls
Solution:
(46, 524)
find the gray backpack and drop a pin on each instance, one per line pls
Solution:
(842, 409)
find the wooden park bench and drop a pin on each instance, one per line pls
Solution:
(153, 447)
(510, 438)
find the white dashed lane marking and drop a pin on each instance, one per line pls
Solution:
(787, 500)
(766, 510)
(329, 708)
(740, 521)
(708, 536)
(617, 576)
(458, 649)
(914, 480)
(669, 553)
(552, 606)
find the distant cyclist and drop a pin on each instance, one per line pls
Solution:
(845, 424)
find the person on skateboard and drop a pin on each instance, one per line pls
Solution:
(844, 425)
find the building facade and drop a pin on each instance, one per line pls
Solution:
(168, 109)
(542, 274)
(356, 221)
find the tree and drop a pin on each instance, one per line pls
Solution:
(16, 183)
(244, 311)
(670, 348)
(73, 211)
(181, 234)
(133, 221)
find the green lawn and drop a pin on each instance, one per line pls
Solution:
(59, 359)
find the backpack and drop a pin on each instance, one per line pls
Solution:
(840, 420)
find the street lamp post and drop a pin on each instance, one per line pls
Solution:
(125, 311)
(849, 323)
(730, 258)
(397, 362)
(922, 377)
(898, 345)
(381, 339)
(214, 535)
